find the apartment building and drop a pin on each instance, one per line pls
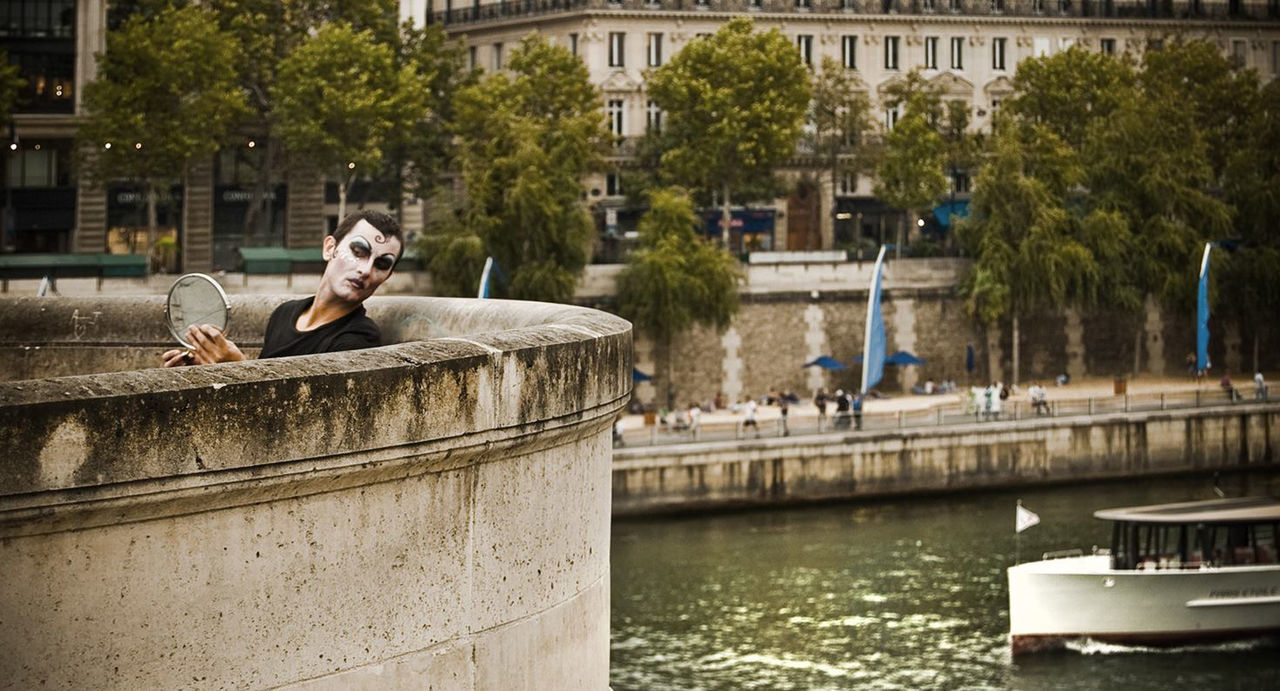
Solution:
(969, 48)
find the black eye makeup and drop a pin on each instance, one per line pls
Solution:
(360, 248)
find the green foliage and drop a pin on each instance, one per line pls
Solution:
(910, 174)
(525, 139)
(675, 279)
(734, 104)
(840, 119)
(1070, 89)
(337, 98)
(1027, 256)
(163, 83)
(11, 85)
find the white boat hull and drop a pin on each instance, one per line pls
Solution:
(1058, 600)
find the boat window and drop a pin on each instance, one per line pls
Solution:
(1163, 546)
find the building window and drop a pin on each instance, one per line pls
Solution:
(957, 53)
(805, 43)
(929, 5)
(613, 184)
(849, 52)
(997, 53)
(954, 5)
(1066, 42)
(1040, 46)
(497, 57)
(1037, 6)
(803, 3)
(653, 116)
(703, 3)
(891, 52)
(471, 57)
(890, 117)
(960, 182)
(997, 6)
(995, 103)
(1108, 46)
(1239, 57)
(39, 19)
(573, 44)
(846, 5)
(848, 183)
(655, 50)
(931, 52)
(617, 49)
(614, 111)
(1063, 6)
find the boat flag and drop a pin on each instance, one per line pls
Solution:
(873, 342)
(1202, 313)
(1025, 518)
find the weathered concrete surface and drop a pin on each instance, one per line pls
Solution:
(428, 514)
(840, 466)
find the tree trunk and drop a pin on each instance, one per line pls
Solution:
(1015, 350)
(671, 388)
(902, 233)
(726, 219)
(1137, 352)
(152, 222)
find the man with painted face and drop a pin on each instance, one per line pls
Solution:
(360, 254)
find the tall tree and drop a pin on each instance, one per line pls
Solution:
(675, 278)
(1069, 90)
(840, 123)
(1027, 258)
(525, 139)
(163, 98)
(1250, 282)
(910, 173)
(337, 100)
(734, 104)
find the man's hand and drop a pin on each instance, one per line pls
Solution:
(210, 346)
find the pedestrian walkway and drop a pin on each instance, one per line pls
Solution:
(1082, 397)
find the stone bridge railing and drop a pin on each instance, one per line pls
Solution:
(430, 513)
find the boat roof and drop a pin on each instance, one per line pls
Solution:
(1232, 510)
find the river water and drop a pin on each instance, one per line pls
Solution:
(902, 594)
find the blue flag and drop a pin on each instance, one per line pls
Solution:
(1202, 313)
(874, 341)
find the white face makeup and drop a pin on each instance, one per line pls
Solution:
(359, 262)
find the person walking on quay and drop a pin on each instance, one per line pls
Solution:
(784, 407)
(857, 411)
(842, 410)
(750, 419)
(820, 402)
(1259, 386)
(1038, 395)
(695, 416)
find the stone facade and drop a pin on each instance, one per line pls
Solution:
(429, 514)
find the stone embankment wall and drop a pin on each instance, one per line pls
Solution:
(792, 313)
(790, 470)
(430, 514)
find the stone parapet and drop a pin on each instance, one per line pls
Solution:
(793, 470)
(429, 513)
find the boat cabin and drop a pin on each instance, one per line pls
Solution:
(1214, 533)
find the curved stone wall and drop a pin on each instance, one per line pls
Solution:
(433, 513)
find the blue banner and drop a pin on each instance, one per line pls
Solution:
(873, 349)
(1202, 314)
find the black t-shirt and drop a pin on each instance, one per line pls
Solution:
(351, 332)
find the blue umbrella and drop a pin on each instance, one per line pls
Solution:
(901, 357)
(637, 375)
(825, 362)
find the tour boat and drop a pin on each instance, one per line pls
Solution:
(1176, 574)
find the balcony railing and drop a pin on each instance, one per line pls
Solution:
(1244, 10)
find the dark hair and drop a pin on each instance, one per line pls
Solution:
(384, 223)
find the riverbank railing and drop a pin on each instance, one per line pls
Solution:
(968, 412)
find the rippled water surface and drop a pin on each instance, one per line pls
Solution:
(908, 594)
